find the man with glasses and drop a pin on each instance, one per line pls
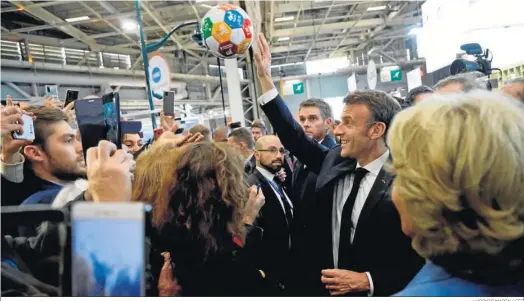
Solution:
(276, 217)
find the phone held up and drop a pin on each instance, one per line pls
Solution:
(28, 132)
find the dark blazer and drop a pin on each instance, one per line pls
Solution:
(303, 195)
(250, 166)
(379, 246)
(274, 249)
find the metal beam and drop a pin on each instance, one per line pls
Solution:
(216, 93)
(112, 10)
(321, 24)
(173, 38)
(194, 68)
(328, 28)
(17, 89)
(389, 20)
(48, 17)
(297, 18)
(83, 69)
(34, 5)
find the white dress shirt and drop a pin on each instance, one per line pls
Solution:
(340, 196)
(342, 191)
(270, 177)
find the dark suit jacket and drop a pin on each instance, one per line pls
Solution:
(274, 249)
(303, 196)
(379, 246)
(250, 166)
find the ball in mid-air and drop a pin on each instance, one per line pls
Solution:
(227, 31)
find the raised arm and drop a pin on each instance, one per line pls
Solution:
(289, 131)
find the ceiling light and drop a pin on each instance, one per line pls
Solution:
(282, 19)
(129, 26)
(415, 31)
(283, 39)
(375, 8)
(82, 18)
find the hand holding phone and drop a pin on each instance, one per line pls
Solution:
(109, 171)
(27, 132)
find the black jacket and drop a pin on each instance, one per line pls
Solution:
(379, 246)
(303, 196)
(274, 253)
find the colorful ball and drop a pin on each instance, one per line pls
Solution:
(227, 31)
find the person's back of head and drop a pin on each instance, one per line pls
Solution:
(243, 139)
(202, 129)
(220, 134)
(449, 155)
(207, 196)
(515, 89)
(56, 153)
(416, 95)
(463, 82)
(151, 167)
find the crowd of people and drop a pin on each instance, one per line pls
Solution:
(419, 198)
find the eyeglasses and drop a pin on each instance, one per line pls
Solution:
(274, 151)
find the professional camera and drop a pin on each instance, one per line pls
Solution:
(481, 64)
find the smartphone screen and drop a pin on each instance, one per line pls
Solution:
(169, 103)
(90, 119)
(108, 245)
(71, 95)
(111, 103)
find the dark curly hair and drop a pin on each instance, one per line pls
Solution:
(207, 196)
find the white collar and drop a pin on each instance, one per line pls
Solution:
(376, 165)
(248, 159)
(267, 174)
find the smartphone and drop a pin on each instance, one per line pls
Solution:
(91, 123)
(108, 249)
(51, 91)
(131, 127)
(29, 129)
(111, 104)
(71, 95)
(169, 103)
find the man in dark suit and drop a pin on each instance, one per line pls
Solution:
(242, 139)
(358, 244)
(315, 117)
(276, 217)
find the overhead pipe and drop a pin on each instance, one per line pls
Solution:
(84, 69)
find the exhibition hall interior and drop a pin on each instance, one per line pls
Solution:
(253, 148)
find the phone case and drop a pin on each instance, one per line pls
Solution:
(29, 131)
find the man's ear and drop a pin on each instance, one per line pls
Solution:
(329, 122)
(377, 130)
(242, 146)
(257, 156)
(34, 153)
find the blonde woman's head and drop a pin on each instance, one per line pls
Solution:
(459, 161)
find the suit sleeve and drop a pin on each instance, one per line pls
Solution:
(291, 133)
(396, 268)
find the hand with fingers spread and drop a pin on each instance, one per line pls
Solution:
(109, 173)
(263, 63)
(167, 123)
(167, 285)
(341, 282)
(254, 204)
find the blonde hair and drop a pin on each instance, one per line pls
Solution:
(459, 160)
(151, 165)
